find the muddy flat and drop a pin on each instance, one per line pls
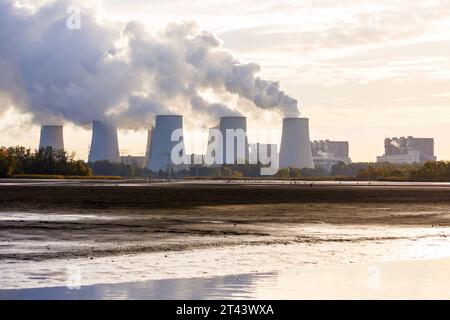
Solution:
(113, 220)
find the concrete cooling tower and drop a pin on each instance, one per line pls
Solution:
(295, 148)
(52, 136)
(161, 144)
(240, 154)
(104, 145)
(149, 147)
(211, 148)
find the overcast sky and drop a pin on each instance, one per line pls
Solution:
(361, 70)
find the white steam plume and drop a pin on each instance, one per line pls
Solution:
(120, 73)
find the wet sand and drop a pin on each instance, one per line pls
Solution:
(125, 220)
(119, 233)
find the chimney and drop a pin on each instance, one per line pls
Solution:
(295, 148)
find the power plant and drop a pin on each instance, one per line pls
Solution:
(236, 150)
(52, 136)
(104, 145)
(327, 154)
(408, 150)
(161, 142)
(295, 150)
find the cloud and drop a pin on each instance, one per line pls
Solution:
(358, 29)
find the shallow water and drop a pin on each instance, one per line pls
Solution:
(51, 217)
(393, 280)
(227, 287)
(321, 261)
(331, 247)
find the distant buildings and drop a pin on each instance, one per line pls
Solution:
(328, 153)
(408, 150)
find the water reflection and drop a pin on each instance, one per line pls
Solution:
(228, 287)
(420, 279)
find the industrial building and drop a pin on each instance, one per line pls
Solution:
(328, 153)
(335, 149)
(52, 136)
(408, 150)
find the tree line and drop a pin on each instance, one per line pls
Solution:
(430, 171)
(17, 161)
(45, 161)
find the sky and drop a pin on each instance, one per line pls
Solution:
(361, 70)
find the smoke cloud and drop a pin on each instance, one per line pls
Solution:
(120, 73)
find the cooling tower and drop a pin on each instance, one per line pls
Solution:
(104, 145)
(238, 146)
(161, 143)
(295, 148)
(52, 136)
(149, 147)
(211, 139)
(211, 149)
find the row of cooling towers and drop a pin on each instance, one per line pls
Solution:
(295, 150)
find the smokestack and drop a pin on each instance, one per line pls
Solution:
(104, 145)
(161, 143)
(234, 123)
(52, 136)
(295, 148)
